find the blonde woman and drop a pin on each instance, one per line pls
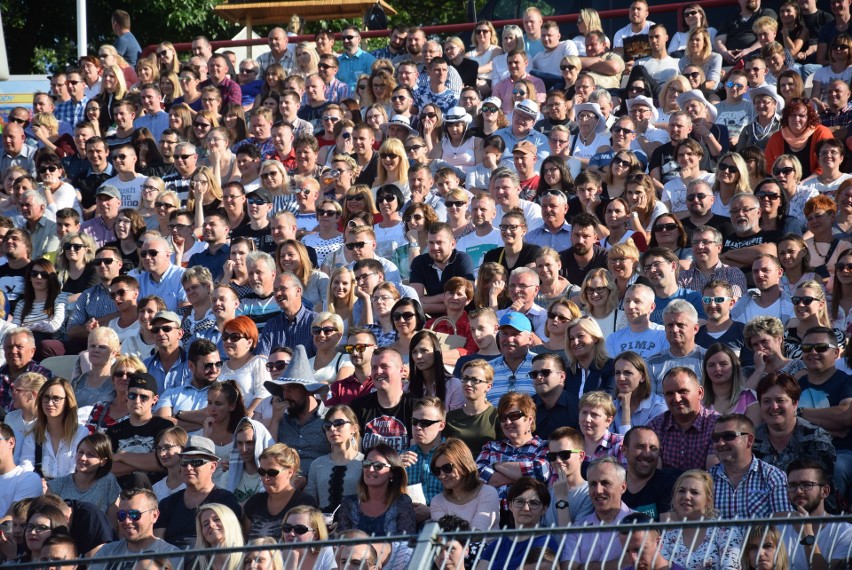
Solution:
(484, 50)
(216, 526)
(623, 265)
(147, 71)
(641, 196)
(764, 549)
(553, 286)
(599, 296)
(292, 256)
(96, 385)
(635, 402)
(329, 364)
(392, 167)
(588, 21)
(307, 59)
(731, 179)
(113, 88)
(340, 297)
(699, 52)
(306, 524)
(263, 559)
(667, 102)
(25, 389)
(109, 57)
(168, 58)
(110, 411)
(560, 313)
(589, 365)
(811, 309)
(205, 194)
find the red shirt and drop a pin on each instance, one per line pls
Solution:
(462, 329)
(345, 390)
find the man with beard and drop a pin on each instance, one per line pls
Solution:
(555, 406)
(584, 254)
(660, 266)
(649, 487)
(769, 298)
(214, 232)
(251, 438)
(431, 271)
(300, 419)
(556, 232)
(187, 402)
(136, 531)
(524, 284)
(641, 336)
(512, 368)
(748, 242)
(681, 323)
(607, 485)
(737, 39)
(260, 305)
(414, 44)
(385, 415)
(291, 326)
(396, 44)
(360, 348)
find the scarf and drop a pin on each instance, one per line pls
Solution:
(797, 141)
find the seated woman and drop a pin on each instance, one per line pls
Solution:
(773, 210)
(668, 231)
(110, 411)
(216, 526)
(783, 436)
(265, 511)
(24, 391)
(553, 286)
(515, 252)
(596, 414)
(811, 308)
(698, 547)
(560, 313)
(623, 264)
(225, 409)
(292, 256)
(381, 507)
(795, 260)
(765, 336)
(239, 339)
(42, 306)
(329, 364)
(427, 376)
(96, 385)
(333, 476)
(764, 547)
(91, 481)
(589, 365)
(167, 445)
(635, 403)
(823, 246)
(305, 523)
(377, 313)
(840, 310)
(407, 317)
(723, 384)
(463, 494)
(599, 296)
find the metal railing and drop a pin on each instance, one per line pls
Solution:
(432, 547)
(456, 28)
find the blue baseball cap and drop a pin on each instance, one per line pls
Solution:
(517, 321)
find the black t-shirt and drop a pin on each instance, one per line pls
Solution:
(739, 32)
(262, 522)
(88, 184)
(572, 271)
(734, 242)
(262, 238)
(179, 521)
(721, 223)
(137, 439)
(814, 23)
(86, 279)
(89, 526)
(384, 425)
(656, 496)
(575, 207)
(528, 254)
(369, 172)
(663, 158)
(12, 283)
(468, 69)
(732, 337)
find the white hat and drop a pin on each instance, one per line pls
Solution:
(457, 115)
(644, 100)
(697, 95)
(769, 91)
(592, 108)
(528, 107)
(402, 121)
(493, 101)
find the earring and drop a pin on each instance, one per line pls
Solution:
(353, 442)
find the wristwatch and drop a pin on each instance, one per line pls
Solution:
(809, 540)
(177, 415)
(561, 504)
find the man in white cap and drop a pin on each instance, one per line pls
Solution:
(644, 114)
(399, 127)
(300, 418)
(524, 118)
(713, 138)
(198, 461)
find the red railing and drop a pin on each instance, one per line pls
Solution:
(454, 28)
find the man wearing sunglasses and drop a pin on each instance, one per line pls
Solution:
(555, 406)
(699, 205)
(168, 363)
(354, 61)
(428, 421)
(360, 348)
(137, 513)
(569, 501)
(94, 306)
(133, 438)
(73, 110)
(186, 159)
(335, 90)
(826, 399)
(126, 179)
(187, 402)
(158, 275)
(198, 462)
(745, 485)
(259, 205)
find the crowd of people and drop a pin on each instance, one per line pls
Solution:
(522, 283)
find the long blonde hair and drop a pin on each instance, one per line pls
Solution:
(349, 300)
(593, 329)
(700, 58)
(396, 147)
(233, 535)
(822, 314)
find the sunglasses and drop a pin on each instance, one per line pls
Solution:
(544, 372)
(39, 274)
(55, 400)
(336, 424)
(558, 318)
(133, 514)
(209, 366)
(232, 337)
(194, 463)
(374, 465)
(277, 366)
(256, 201)
(355, 245)
(732, 85)
(727, 436)
(388, 155)
(786, 171)
(561, 455)
(165, 205)
(102, 261)
(567, 67)
(718, 300)
(843, 266)
(770, 195)
(446, 469)
(117, 293)
(819, 347)
(43, 169)
(428, 115)
(697, 196)
(803, 300)
(424, 423)
(200, 126)
(73, 246)
(693, 75)
(184, 156)
(387, 198)
(133, 396)
(324, 330)
(164, 328)
(298, 529)
(356, 197)
(268, 472)
(148, 253)
(730, 168)
(403, 316)
(472, 381)
(326, 213)
(359, 348)
(511, 416)
(622, 131)
(665, 227)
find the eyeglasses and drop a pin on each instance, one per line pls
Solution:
(194, 463)
(359, 348)
(355, 198)
(595, 291)
(404, 316)
(794, 486)
(133, 514)
(209, 366)
(165, 447)
(37, 528)
(165, 205)
(670, 227)
(803, 300)
(356, 245)
(324, 330)
(179, 226)
(693, 75)
(39, 274)
(533, 504)
(697, 196)
(184, 156)
(428, 115)
(374, 465)
(771, 196)
(545, 372)
(785, 171)
(103, 261)
(738, 211)
(509, 227)
(511, 416)
(655, 266)
(707, 300)
(298, 529)
(416, 422)
(55, 400)
(73, 246)
(133, 396)
(164, 328)
(558, 318)
(328, 425)
(727, 436)
(819, 347)
(43, 169)
(387, 198)
(268, 472)
(730, 168)
(326, 213)
(472, 381)
(564, 455)
(232, 337)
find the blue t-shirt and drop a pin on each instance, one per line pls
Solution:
(691, 297)
(829, 393)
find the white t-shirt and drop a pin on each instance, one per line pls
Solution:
(532, 213)
(18, 484)
(674, 192)
(627, 31)
(476, 246)
(660, 69)
(250, 378)
(548, 61)
(828, 189)
(124, 333)
(131, 191)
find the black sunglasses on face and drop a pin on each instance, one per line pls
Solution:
(446, 468)
(337, 424)
(416, 422)
(561, 455)
(511, 416)
(133, 396)
(404, 316)
(73, 246)
(165, 328)
(276, 366)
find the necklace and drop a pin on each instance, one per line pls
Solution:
(586, 140)
(761, 133)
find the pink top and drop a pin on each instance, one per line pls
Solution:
(482, 512)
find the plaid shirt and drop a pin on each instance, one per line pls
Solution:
(281, 331)
(841, 118)
(762, 492)
(610, 445)
(693, 279)
(71, 112)
(686, 449)
(94, 302)
(336, 91)
(531, 456)
(6, 381)
(420, 473)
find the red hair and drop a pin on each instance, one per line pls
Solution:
(245, 326)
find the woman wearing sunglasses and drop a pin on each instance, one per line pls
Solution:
(56, 432)
(42, 306)
(381, 506)
(306, 524)
(264, 512)
(57, 193)
(216, 526)
(202, 124)
(667, 231)
(390, 232)
(92, 480)
(358, 198)
(773, 209)
(392, 167)
(811, 309)
(431, 128)
(824, 248)
(407, 317)
(559, 313)
(166, 202)
(333, 476)
(329, 365)
(239, 338)
(615, 174)
(74, 265)
(96, 385)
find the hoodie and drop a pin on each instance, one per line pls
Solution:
(262, 440)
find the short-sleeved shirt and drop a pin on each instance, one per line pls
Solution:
(828, 394)
(384, 425)
(179, 521)
(572, 271)
(656, 496)
(424, 271)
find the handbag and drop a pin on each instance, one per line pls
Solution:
(448, 341)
